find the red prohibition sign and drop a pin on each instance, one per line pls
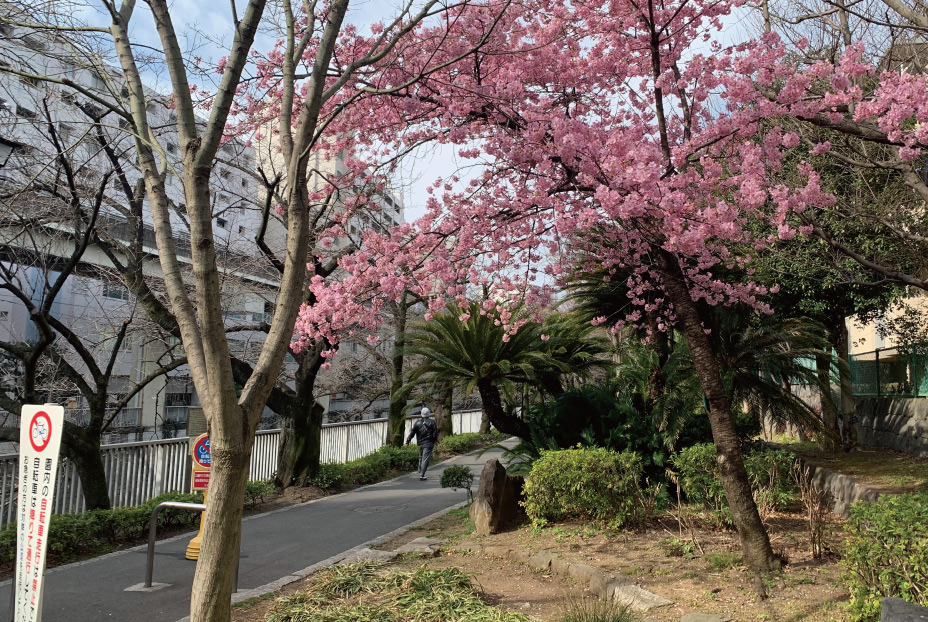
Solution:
(40, 431)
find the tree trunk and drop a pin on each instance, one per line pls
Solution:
(301, 426)
(755, 543)
(398, 394)
(484, 421)
(212, 582)
(493, 408)
(829, 412)
(82, 448)
(445, 418)
(848, 407)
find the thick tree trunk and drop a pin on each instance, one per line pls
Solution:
(848, 407)
(398, 395)
(484, 421)
(755, 543)
(212, 583)
(493, 408)
(301, 426)
(445, 417)
(82, 448)
(829, 412)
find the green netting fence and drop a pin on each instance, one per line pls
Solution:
(891, 372)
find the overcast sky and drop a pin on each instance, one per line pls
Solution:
(213, 17)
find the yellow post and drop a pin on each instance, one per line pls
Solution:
(193, 547)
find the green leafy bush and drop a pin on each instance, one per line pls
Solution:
(367, 470)
(257, 490)
(609, 415)
(458, 476)
(768, 471)
(592, 483)
(331, 475)
(405, 458)
(468, 441)
(96, 531)
(887, 553)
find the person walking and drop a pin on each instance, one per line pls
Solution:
(426, 432)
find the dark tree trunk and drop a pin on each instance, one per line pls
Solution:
(82, 448)
(445, 418)
(657, 381)
(398, 394)
(755, 543)
(848, 407)
(301, 425)
(484, 421)
(493, 408)
(829, 412)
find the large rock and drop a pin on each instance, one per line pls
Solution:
(898, 610)
(497, 500)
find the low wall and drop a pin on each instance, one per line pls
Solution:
(845, 490)
(896, 423)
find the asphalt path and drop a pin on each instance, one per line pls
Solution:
(274, 545)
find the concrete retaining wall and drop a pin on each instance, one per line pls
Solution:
(845, 490)
(896, 423)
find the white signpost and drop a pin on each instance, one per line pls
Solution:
(40, 434)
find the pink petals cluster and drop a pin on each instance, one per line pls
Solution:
(598, 150)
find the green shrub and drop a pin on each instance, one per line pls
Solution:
(768, 470)
(367, 470)
(97, 531)
(257, 490)
(405, 458)
(458, 476)
(592, 483)
(459, 443)
(331, 475)
(887, 553)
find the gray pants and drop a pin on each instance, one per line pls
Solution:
(425, 456)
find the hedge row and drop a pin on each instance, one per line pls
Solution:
(376, 466)
(94, 532)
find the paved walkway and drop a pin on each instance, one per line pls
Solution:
(274, 545)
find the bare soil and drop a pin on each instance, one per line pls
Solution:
(806, 590)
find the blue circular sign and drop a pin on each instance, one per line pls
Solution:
(201, 452)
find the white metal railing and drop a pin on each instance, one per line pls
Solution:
(137, 472)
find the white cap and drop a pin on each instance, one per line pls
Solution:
(426, 412)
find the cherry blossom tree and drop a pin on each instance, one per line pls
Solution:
(624, 134)
(320, 67)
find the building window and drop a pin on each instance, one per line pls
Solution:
(24, 112)
(222, 222)
(65, 132)
(29, 80)
(241, 230)
(244, 183)
(96, 81)
(171, 148)
(35, 42)
(115, 291)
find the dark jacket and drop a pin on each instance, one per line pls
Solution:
(425, 429)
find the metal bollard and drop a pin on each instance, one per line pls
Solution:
(153, 527)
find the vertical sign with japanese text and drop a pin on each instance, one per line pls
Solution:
(39, 441)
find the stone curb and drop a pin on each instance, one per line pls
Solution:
(844, 489)
(601, 583)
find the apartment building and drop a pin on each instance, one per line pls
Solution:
(56, 147)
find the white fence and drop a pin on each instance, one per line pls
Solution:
(136, 472)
